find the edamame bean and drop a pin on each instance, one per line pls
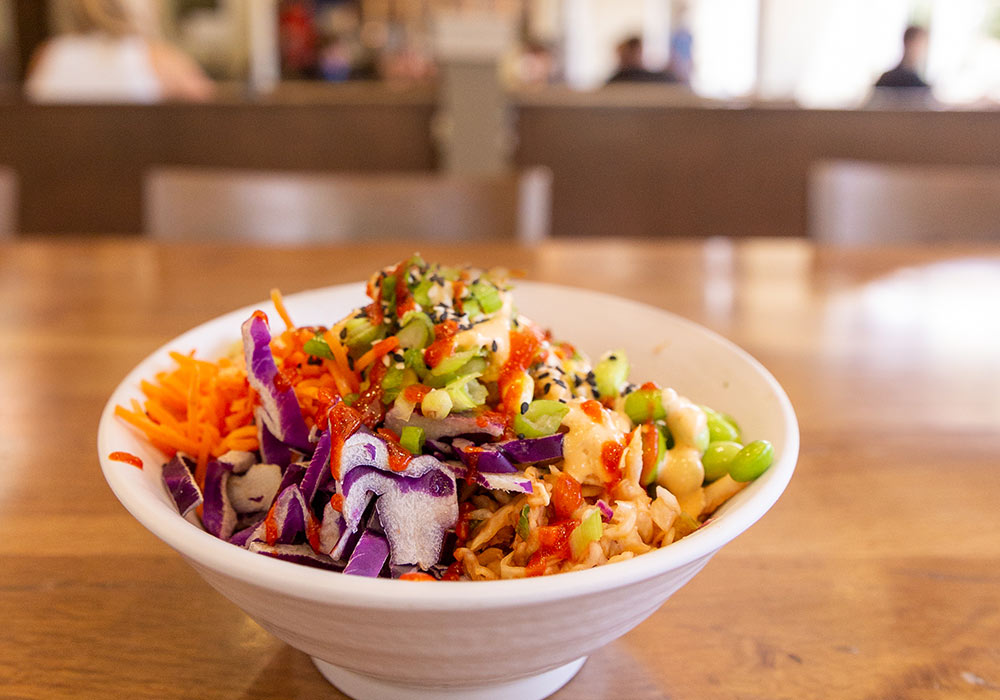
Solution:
(717, 458)
(752, 461)
(720, 428)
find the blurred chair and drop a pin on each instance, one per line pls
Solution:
(854, 203)
(8, 202)
(287, 208)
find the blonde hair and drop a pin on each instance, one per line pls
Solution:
(104, 16)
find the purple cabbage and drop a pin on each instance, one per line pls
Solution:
(369, 556)
(272, 450)
(297, 554)
(331, 529)
(534, 450)
(517, 482)
(435, 429)
(238, 461)
(281, 413)
(252, 532)
(318, 474)
(218, 514)
(289, 515)
(484, 458)
(415, 511)
(415, 506)
(606, 512)
(180, 483)
(254, 491)
(293, 475)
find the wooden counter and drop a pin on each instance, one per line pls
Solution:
(875, 576)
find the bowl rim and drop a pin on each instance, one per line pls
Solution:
(319, 585)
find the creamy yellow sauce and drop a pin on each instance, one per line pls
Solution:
(583, 443)
(484, 334)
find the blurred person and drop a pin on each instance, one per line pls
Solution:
(298, 38)
(630, 66)
(907, 73)
(336, 60)
(536, 65)
(681, 53)
(105, 58)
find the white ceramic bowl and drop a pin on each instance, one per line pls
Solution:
(386, 639)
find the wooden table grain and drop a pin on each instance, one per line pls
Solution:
(877, 575)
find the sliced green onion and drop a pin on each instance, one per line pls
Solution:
(389, 293)
(543, 417)
(719, 428)
(420, 293)
(466, 394)
(589, 530)
(413, 358)
(317, 347)
(470, 370)
(644, 405)
(718, 457)
(752, 461)
(487, 296)
(417, 331)
(611, 374)
(361, 332)
(523, 524)
(392, 383)
(412, 439)
(471, 308)
(648, 477)
(436, 405)
(453, 363)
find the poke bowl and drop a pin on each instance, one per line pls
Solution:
(523, 637)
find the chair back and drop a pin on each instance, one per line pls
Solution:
(854, 203)
(286, 208)
(8, 202)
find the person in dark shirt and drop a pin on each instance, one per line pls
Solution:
(630, 68)
(905, 75)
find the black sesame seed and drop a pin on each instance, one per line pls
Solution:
(547, 388)
(524, 408)
(495, 346)
(350, 362)
(520, 436)
(562, 400)
(561, 383)
(612, 357)
(343, 332)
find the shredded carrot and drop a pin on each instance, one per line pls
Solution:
(194, 408)
(279, 305)
(344, 371)
(379, 349)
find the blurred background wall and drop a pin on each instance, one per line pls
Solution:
(739, 102)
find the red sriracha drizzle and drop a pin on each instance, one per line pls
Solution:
(525, 344)
(611, 457)
(443, 345)
(343, 421)
(567, 496)
(271, 526)
(399, 457)
(553, 546)
(415, 393)
(594, 410)
(127, 458)
(650, 448)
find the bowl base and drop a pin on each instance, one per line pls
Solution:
(362, 687)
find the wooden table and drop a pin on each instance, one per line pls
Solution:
(875, 576)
